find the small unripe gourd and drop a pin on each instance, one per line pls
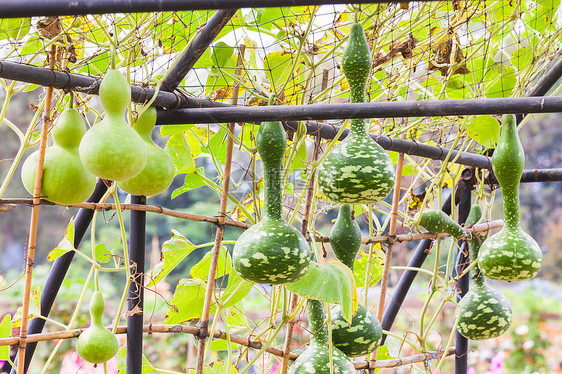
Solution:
(485, 313)
(97, 344)
(511, 254)
(316, 358)
(437, 221)
(65, 179)
(158, 172)
(271, 251)
(112, 149)
(363, 335)
(357, 170)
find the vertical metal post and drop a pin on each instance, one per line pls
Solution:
(135, 295)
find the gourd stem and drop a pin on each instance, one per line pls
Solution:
(316, 318)
(357, 126)
(273, 193)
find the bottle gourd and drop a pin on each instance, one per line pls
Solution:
(316, 358)
(158, 172)
(364, 334)
(65, 179)
(511, 254)
(271, 251)
(485, 313)
(437, 221)
(112, 149)
(97, 344)
(357, 170)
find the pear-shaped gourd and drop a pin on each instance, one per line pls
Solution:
(158, 172)
(271, 251)
(437, 221)
(97, 344)
(316, 358)
(65, 179)
(112, 149)
(363, 335)
(357, 170)
(485, 313)
(511, 254)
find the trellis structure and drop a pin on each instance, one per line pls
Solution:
(178, 108)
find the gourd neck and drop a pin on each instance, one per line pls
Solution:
(97, 306)
(273, 194)
(358, 127)
(511, 208)
(317, 320)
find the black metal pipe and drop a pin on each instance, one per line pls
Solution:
(135, 294)
(58, 272)
(199, 44)
(31, 8)
(541, 175)
(82, 83)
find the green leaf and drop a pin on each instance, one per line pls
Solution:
(103, 254)
(301, 156)
(278, 67)
(65, 245)
(360, 268)
(221, 345)
(331, 282)
(178, 149)
(167, 130)
(382, 354)
(217, 367)
(14, 28)
(236, 290)
(217, 143)
(5, 332)
(485, 130)
(503, 84)
(224, 265)
(522, 58)
(269, 16)
(146, 367)
(187, 302)
(235, 318)
(191, 181)
(173, 252)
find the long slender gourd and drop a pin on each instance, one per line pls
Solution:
(364, 334)
(511, 254)
(316, 358)
(357, 170)
(271, 251)
(485, 313)
(437, 221)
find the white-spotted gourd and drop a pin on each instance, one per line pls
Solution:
(158, 173)
(316, 358)
(364, 334)
(112, 149)
(65, 179)
(437, 221)
(271, 251)
(357, 170)
(97, 344)
(485, 313)
(511, 254)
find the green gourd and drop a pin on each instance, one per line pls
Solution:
(96, 344)
(363, 335)
(316, 358)
(65, 179)
(485, 313)
(112, 149)
(357, 170)
(158, 172)
(511, 254)
(437, 221)
(271, 251)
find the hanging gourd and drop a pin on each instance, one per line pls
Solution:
(437, 221)
(357, 170)
(112, 149)
(96, 344)
(65, 179)
(271, 251)
(511, 254)
(158, 172)
(485, 313)
(316, 358)
(364, 334)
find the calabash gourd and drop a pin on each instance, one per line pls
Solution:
(485, 313)
(364, 334)
(65, 179)
(271, 251)
(357, 170)
(437, 221)
(511, 254)
(97, 344)
(316, 358)
(158, 172)
(112, 149)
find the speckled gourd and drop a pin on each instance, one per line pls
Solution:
(357, 170)
(112, 149)
(437, 221)
(271, 251)
(485, 313)
(316, 358)
(158, 173)
(364, 334)
(97, 344)
(65, 179)
(511, 254)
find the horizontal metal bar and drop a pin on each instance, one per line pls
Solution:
(29, 8)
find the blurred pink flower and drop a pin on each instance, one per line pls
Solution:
(274, 368)
(496, 367)
(74, 364)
